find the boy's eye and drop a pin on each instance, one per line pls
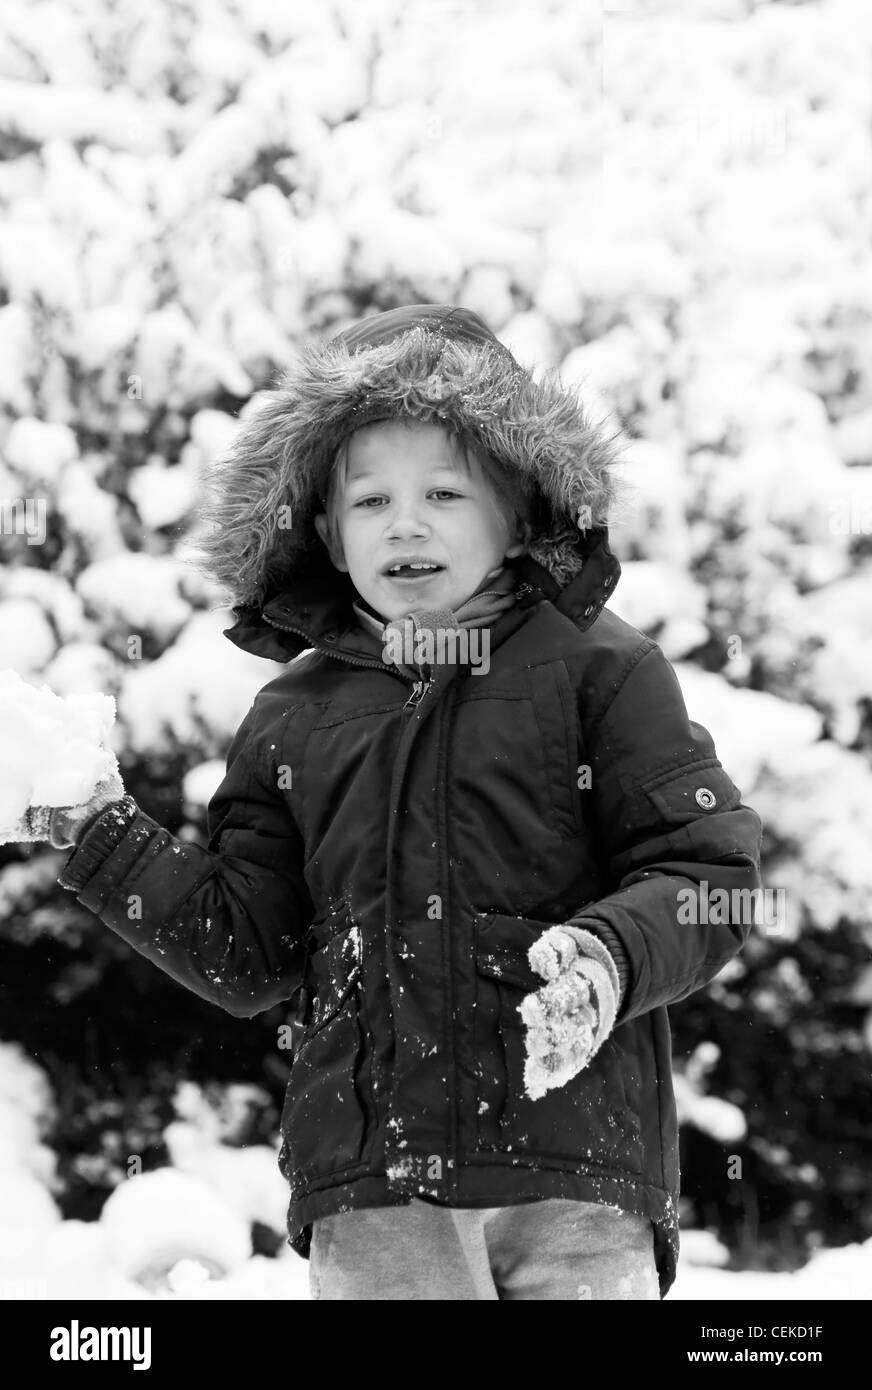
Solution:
(445, 491)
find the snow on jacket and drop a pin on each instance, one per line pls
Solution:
(387, 862)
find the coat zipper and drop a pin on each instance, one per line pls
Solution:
(419, 690)
(419, 687)
(340, 656)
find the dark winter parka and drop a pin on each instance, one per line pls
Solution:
(383, 862)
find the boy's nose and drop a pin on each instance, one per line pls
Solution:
(407, 524)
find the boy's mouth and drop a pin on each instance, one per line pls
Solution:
(410, 570)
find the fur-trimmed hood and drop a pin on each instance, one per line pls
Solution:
(432, 362)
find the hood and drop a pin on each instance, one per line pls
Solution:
(434, 362)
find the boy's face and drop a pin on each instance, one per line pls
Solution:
(407, 496)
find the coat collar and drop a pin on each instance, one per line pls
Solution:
(311, 615)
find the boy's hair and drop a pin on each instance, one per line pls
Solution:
(510, 492)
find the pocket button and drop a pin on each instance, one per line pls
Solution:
(706, 798)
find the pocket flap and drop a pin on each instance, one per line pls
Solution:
(501, 946)
(694, 792)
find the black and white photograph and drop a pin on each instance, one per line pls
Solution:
(436, 661)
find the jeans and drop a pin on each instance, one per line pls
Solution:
(551, 1249)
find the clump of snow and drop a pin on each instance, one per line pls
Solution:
(155, 1219)
(53, 750)
(664, 602)
(200, 782)
(26, 1108)
(753, 730)
(163, 495)
(39, 451)
(61, 605)
(720, 1119)
(27, 639)
(80, 667)
(703, 1248)
(28, 1211)
(89, 511)
(247, 1178)
(829, 1275)
(165, 1234)
(139, 591)
(195, 693)
(212, 431)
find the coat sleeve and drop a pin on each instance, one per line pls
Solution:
(680, 851)
(227, 921)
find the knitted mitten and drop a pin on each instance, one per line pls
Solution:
(61, 826)
(570, 1017)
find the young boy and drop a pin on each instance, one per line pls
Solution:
(458, 828)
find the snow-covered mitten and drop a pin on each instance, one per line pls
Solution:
(570, 1017)
(62, 825)
(69, 822)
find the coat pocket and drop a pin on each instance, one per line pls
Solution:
(590, 1119)
(326, 1114)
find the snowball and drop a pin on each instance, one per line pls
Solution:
(52, 750)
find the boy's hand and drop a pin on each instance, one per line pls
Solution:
(570, 1017)
(60, 825)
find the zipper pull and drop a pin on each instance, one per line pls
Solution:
(419, 690)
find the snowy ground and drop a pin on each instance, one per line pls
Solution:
(70, 1262)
